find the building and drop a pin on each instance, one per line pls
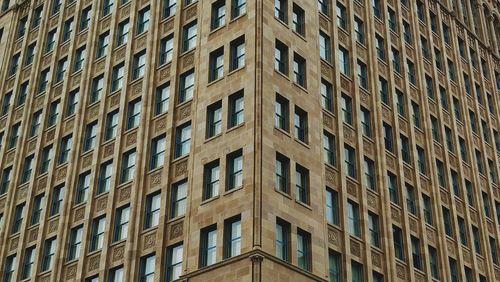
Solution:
(233, 140)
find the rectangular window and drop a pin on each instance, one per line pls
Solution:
(97, 237)
(281, 57)
(380, 46)
(388, 138)
(283, 240)
(281, 109)
(10, 268)
(90, 136)
(343, 61)
(139, 65)
(384, 90)
(300, 124)
(216, 64)
(282, 173)
(29, 261)
(111, 125)
(121, 223)
(27, 169)
(323, 6)
(169, 8)
(232, 237)
(416, 254)
(237, 53)
(211, 180)
(304, 259)
(346, 104)
(362, 75)
(359, 30)
(105, 174)
(462, 230)
(57, 198)
(370, 178)
(36, 212)
(18, 218)
(162, 99)
(208, 246)
(234, 170)
(158, 147)
(353, 219)
(143, 20)
(117, 78)
(116, 274)
(302, 184)
(122, 34)
(326, 95)
(398, 242)
(75, 243)
(325, 49)
(329, 148)
(133, 114)
(147, 268)
(350, 161)
(236, 109)
(189, 36)
(186, 86)
(6, 178)
(298, 20)
(373, 225)
(128, 166)
(393, 188)
(218, 14)
(49, 251)
(183, 140)
(357, 272)
(341, 16)
(299, 70)
(152, 215)
(239, 8)
(366, 123)
(179, 199)
(82, 192)
(434, 262)
(47, 154)
(174, 262)
(281, 10)
(332, 207)
(334, 265)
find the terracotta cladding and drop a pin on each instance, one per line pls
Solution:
(403, 128)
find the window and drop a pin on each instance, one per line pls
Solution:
(397, 235)
(341, 16)
(448, 227)
(10, 268)
(51, 41)
(139, 65)
(359, 30)
(325, 47)
(416, 254)
(237, 53)
(90, 137)
(353, 219)
(37, 17)
(47, 153)
(462, 231)
(281, 113)
(97, 88)
(392, 19)
(302, 184)
(36, 212)
(239, 8)
(232, 237)
(133, 114)
(27, 169)
(332, 206)
(84, 183)
(189, 36)
(357, 271)
(477, 240)
(280, 10)
(350, 161)
(166, 49)
(49, 251)
(73, 99)
(97, 237)
(53, 114)
(169, 8)
(174, 262)
(236, 109)
(143, 20)
(105, 174)
(323, 6)
(30, 54)
(116, 274)
(407, 32)
(421, 160)
(218, 14)
(75, 243)
(434, 262)
(84, 20)
(366, 122)
(121, 223)
(29, 261)
(393, 188)
(400, 103)
(147, 268)
(299, 70)
(183, 140)
(14, 135)
(298, 20)
(153, 203)
(62, 66)
(79, 59)
(208, 246)
(369, 168)
(162, 98)
(122, 34)
(300, 124)
(346, 104)
(362, 75)
(304, 259)
(282, 173)
(281, 57)
(107, 7)
(384, 91)
(405, 149)
(117, 77)
(343, 61)
(67, 29)
(6, 103)
(6, 178)
(18, 218)
(57, 198)
(128, 166)
(111, 125)
(283, 240)
(493, 247)
(234, 170)
(380, 46)
(326, 95)
(179, 198)
(486, 204)
(329, 148)
(216, 64)
(186, 86)
(158, 147)
(388, 138)
(334, 265)
(102, 45)
(373, 225)
(211, 178)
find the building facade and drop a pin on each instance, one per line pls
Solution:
(236, 140)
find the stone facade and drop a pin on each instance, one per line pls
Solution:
(390, 155)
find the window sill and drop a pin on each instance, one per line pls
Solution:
(212, 82)
(236, 70)
(283, 131)
(281, 22)
(178, 218)
(178, 159)
(209, 200)
(235, 127)
(179, 105)
(302, 143)
(284, 75)
(228, 192)
(300, 35)
(212, 138)
(287, 195)
(215, 30)
(303, 88)
(307, 206)
(237, 17)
